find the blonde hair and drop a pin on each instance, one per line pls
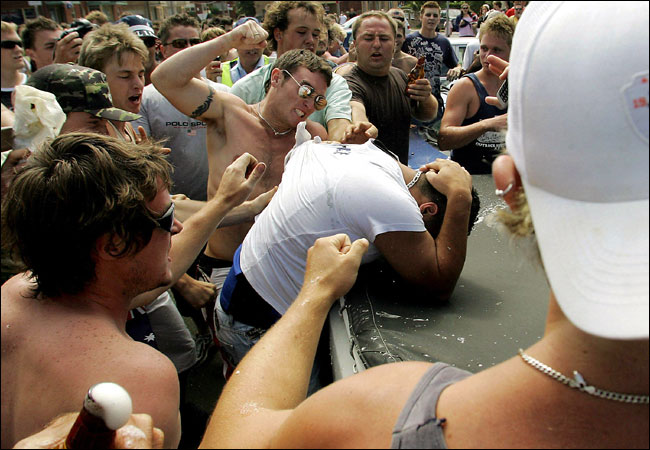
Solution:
(518, 226)
(100, 45)
(8, 27)
(211, 33)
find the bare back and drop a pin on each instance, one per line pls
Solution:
(52, 352)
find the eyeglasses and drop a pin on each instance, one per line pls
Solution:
(150, 41)
(464, 7)
(10, 45)
(166, 221)
(183, 43)
(306, 91)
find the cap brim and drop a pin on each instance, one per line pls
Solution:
(115, 114)
(596, 260)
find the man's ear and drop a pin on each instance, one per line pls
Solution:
(277, 34)
(108, 247)
(428, 209)
(504, 173)
(275, 77)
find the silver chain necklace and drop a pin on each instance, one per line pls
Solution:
(578, 382)
(415, 179)
(277, 133)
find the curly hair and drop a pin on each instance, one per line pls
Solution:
(277, 16)
(108, 40)
(71, 192)
(179, 20)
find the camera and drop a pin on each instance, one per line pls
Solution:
(81, 26)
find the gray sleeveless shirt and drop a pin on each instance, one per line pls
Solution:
(417, 425)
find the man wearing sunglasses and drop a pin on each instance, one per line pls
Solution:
(13, 63)
(298, 25)
(266, 129)
(93, 252)
(162, 120)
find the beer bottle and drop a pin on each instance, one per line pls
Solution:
(417, 72)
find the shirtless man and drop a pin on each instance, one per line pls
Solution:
(471, 128)
(266, 129)
(89, 252)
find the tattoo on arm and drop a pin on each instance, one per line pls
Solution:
(204, 107)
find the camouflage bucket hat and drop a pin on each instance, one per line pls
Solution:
(79, 89)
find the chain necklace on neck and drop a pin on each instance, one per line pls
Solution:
(415, 179)
(277, 133)
(579, 383)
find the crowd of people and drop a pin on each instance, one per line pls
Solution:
(174, 136)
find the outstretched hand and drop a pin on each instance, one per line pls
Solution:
(359, 133)
(239, 180)
(333, 264)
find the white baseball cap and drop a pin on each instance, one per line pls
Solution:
(578, 133)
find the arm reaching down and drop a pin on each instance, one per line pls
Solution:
(252, 408)
(238, 181)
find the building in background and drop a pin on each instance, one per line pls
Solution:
(67, 11)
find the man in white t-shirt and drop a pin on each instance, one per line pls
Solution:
(420, 228)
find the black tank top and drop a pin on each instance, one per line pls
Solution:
(478, 155)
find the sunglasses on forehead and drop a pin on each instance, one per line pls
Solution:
(183, 43)
(10, 45)
(166, 221)
(306, 91)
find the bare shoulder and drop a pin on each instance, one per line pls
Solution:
(152, 381)
(358, 411)
(462, 86)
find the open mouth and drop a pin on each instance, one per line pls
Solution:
(299, 113)
(135, 98)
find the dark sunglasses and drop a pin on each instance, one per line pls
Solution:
(166, 221)
(149, 41)
(9, 45)
(306, 91)
(183, 43)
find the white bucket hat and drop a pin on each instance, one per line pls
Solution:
(578, 133)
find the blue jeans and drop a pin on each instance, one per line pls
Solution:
(237, 338)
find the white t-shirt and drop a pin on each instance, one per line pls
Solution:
(326, 189)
